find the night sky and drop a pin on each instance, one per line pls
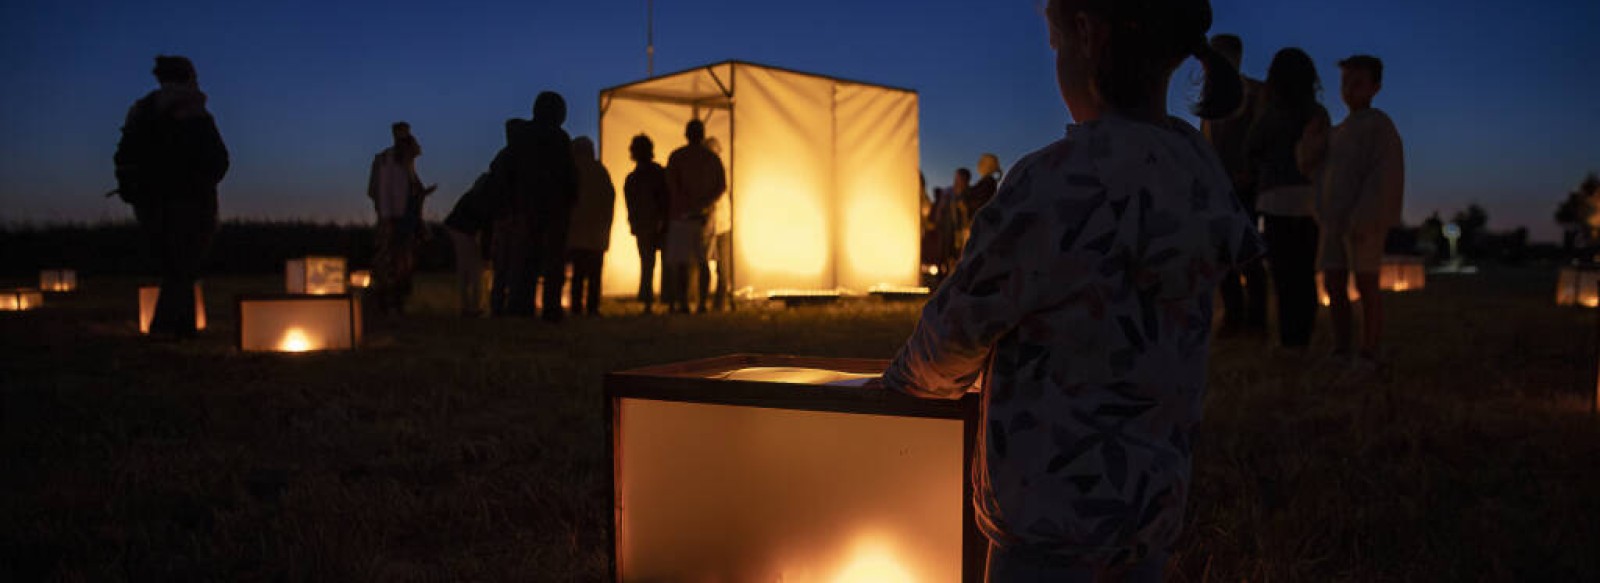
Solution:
(1494, 99)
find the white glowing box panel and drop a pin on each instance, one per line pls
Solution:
(315, 275)
(299, 323)
(756, 468)
(58, 280)
(1578, 285)
(148, 295)
(822, 172)
(20, 300)
(1401, 273)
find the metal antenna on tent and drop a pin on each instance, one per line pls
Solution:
(650, 38)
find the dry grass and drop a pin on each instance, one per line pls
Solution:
(471, 450)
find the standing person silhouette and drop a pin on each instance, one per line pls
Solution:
(397, 195)
(1363, 190)
(645, 191)
(168, 164)
(542, 183)
(695, 181)
(590, 235)
(1244, 292)
(1083, 305)
(1288, 197)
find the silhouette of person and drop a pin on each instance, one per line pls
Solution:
(1362, 193)
(951, 224)
(1287, 198)
(397, 194)
(695, 181)
(590, 235)
(509, 248)
(1083, 302)
(1244, 302)
(470, 225)
(645, 191)
(543, 186)
(988, 183)
(721, 243)
(168, 165)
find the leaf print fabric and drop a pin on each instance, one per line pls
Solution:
(1083, 301)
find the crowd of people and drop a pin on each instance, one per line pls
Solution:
(544, 209)
(947, 216)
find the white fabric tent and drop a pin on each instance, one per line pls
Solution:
(822, 172)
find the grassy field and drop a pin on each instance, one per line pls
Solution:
(472, 450)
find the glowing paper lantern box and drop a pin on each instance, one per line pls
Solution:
(1402, 273)
(58, 280)
(315, 275)
(20, 300)
(361, 279)
(821, 172)
(766, 468)
(150, 294)
(1578, 285)
(299, 323)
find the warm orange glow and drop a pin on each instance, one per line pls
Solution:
(20, 300)
(148, 295)
(1402, 273)
(884, 288)
(361, 279)
(58, 280)
(295, 340)
(880, 237)
(785, 239)
(874, 560)
(1590, 301)
(1325, 300)
(1578, 286)
(315, 275)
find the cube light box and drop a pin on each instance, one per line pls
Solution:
(1578, 285)
(149, 294)
(315, 275)
(1401, 273)
(20, 299)
(765, 468)
(58, 280)
(299, 322)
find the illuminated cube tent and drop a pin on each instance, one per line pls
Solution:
(1402, 273)
(148, 295)
(760, 468)
(315, 275)
(822, 172)
(20, 300)
(58, 280)
(299, 323)
(1578, 285)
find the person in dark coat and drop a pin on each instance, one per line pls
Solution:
(508, 250)
(470, 224)
(542, 183)
(590, 234)
(695, 181)
(1244, 293)
(646, 193)
(168, 164)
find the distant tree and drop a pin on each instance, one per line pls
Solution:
(1430, 238)
(1474, 223)
(1579, 216)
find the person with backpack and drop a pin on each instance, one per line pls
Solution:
(168, 165)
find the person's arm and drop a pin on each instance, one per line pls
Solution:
(1013, 265)
(1383, 188)
(1312, 150)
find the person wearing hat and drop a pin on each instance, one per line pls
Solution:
(168, 164)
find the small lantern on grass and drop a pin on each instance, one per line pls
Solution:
(58, 280)
(1401, 273)
(360, 279)
(315, 275)
(1578, 285)
(762, 468)
(299, 323)
(20, 299)
(150, 294)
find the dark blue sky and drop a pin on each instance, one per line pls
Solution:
(1494, 99)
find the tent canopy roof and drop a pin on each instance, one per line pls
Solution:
(708, 85)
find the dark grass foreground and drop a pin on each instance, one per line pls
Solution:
(471, 450)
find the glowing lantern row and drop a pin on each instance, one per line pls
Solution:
(1402, 273)
(751, 468)
(1578, 285)
(361, 279)
(58, 280)
(20, 300)
(315, 275)
(149, 295)
(299, 323)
